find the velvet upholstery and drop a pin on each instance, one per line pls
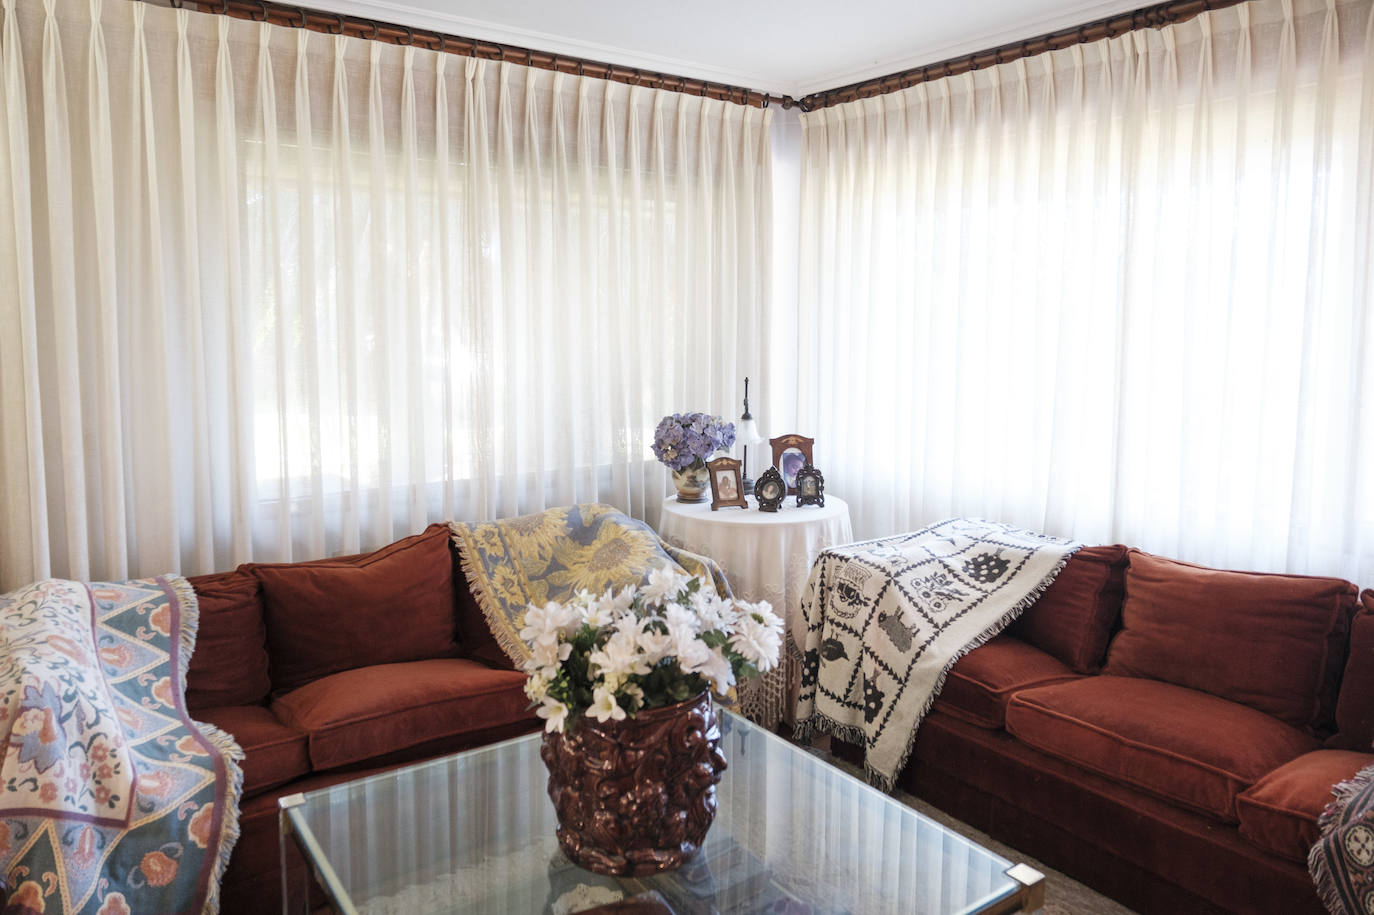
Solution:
(396, 604)
(1280, 811)
(274, 753)
(1181, 745)
(474, 635)
(1144, 852)
(980, 684)
(229, 665)
(382, 709)
(1355, 708)
(1075, 617)
(1275, 643)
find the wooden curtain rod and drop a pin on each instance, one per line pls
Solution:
(1153, 17)
(1156, 16)
(300, 17)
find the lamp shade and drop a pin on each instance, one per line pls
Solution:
(747, 432)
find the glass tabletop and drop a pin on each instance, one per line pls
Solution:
(475, 833)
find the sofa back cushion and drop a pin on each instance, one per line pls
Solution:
(394, 605)
(229, 665)
(1073, 620)
(1355, 708)
(1273, 642)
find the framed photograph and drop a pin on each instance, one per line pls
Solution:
(810, 487)
(727, 489)
(790, 454)
(770, 490)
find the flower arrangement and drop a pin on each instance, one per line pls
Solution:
(611, 656)
(684, 439)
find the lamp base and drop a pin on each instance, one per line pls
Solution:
(748, 484)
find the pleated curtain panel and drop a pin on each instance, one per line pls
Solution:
(1119, 292)
(270, 294)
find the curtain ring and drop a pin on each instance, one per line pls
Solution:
(338, 21)
(375, 31)
(410, 35)
(224, 7)
(262, 6)
(501, 50)
(703, 89)
(581, 71)
(529, 58)
(303, 18)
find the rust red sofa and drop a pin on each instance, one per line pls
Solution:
(327, 670)
(1163, 732)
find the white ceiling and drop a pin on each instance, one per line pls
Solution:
(793, 48)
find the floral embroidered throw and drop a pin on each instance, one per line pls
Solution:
(554, 554)
(112, 800)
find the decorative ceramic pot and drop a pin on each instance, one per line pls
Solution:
(637, 796)
(692, 482)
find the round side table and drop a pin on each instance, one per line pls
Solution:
(765, 556)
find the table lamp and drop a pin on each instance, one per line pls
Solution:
(746, 434)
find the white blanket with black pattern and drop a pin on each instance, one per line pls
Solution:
(886, 619)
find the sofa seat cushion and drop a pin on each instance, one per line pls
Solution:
(1273, 642)
(1075, 617)
(396, 604)
(1279, 812)
(273, 753)
(979, 685)
(229, 665)
(374, 712)
(1184, 746)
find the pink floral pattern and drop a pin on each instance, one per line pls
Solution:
(57, 711)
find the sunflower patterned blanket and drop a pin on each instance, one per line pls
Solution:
(553, 554)
(887, 619)
(112, 801)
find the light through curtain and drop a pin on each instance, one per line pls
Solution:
(1119, 292)
(270, 294)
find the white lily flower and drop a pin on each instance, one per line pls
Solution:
(604, 707)
(554, 713)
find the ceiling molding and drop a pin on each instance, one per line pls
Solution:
(405, 14)
(980, 41)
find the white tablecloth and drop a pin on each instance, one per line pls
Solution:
(765, 556)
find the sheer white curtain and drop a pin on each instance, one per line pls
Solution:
(1120, 292)
(268, 293)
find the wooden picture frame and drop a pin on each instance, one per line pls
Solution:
(727, 487)
(784, 446)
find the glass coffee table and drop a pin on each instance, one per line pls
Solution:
(475, 833)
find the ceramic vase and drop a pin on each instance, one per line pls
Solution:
(637, 796)
(693, 482)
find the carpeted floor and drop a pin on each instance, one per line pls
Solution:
(1063, 895)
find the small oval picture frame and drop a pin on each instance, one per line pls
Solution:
(810, 486)
(727, 489)
(770, 490)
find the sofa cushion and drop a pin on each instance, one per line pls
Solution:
(1273, 642)
(979, 685)
(1074, 619)
(229, 665)
(473, 632)
(1279, 812)
(371, 712)
(396, 604)
(1355, 707)
(273, 753)
(1184, 746)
